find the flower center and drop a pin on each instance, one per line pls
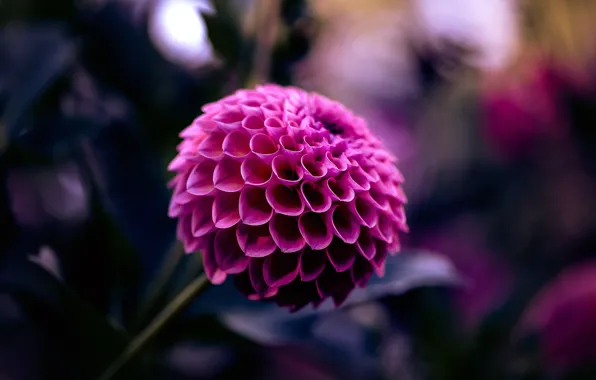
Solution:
(333, 128)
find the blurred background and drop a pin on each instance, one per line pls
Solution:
(489, 105)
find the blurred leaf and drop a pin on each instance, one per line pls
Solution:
(267, 323)
(90, 339)
(225, 34)
(133, 189)
(37, 57)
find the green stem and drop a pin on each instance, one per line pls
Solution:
(187, 295)
(156, 287)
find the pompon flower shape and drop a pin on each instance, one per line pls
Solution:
(288, 192)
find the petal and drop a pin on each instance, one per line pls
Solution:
(285, 233)
(255, 241)
(290, 146)
(255, 271)
(255, 172)
(202, 222)
(315, 197)
(361, 272)
(253, 125)
(254, 208)
(315, 231)
(275, 127)
(366, 244)
(331, 283)
(271, 110)
(378, 262)
(227, 177)
(263, 146)
(384, 228)
(228, 255)
(286, 172)
(341, 255)
(285, 200)
(200, 180)
(365, 210)
(280, 268)
(229, 120)
(358, 179)
(225, 209)
(212, 146)
(335, 165)
(312, 264)
(215, 275)
(344, 223)
(314, 168)
(245, 287)
(339, 189)
(251, 108)
(378, 198)
(297, 294)
(236, 144)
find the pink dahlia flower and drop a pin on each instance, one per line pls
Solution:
(290, 193)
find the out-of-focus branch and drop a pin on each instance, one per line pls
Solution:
(266, 18)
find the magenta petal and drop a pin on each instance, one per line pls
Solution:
(255, 241)
(275, 127)
(286, 171)
(202, 222)
(225, 212)
(255, 172)
(339, 189)
(312, 264)
(228, 255)
(335, 165)
(365, 211)
(245, 287)
(271, 110)
(177, 164)
(253, 125)
(215, 275)
(184, 233)
(290, 146)
(314, 168)
(372, 174)
(229, 120)
(263, 146)
(314, 141)
(361, 272)
(175, 209)
(341, 255)
(384, 228)
(358, 179)
(378, 262)
(285, 200)
(280, 268)
(227, 177)
(366, 244)
(315, 230)
(257, 280)
(337, 284)
(236, 144)
(315, 198)
(344, 223)
(200, 180)
(378, 198)
(254, 208)
(212, 146)
(285, 233)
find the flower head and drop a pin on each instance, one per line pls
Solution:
(288, 192)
